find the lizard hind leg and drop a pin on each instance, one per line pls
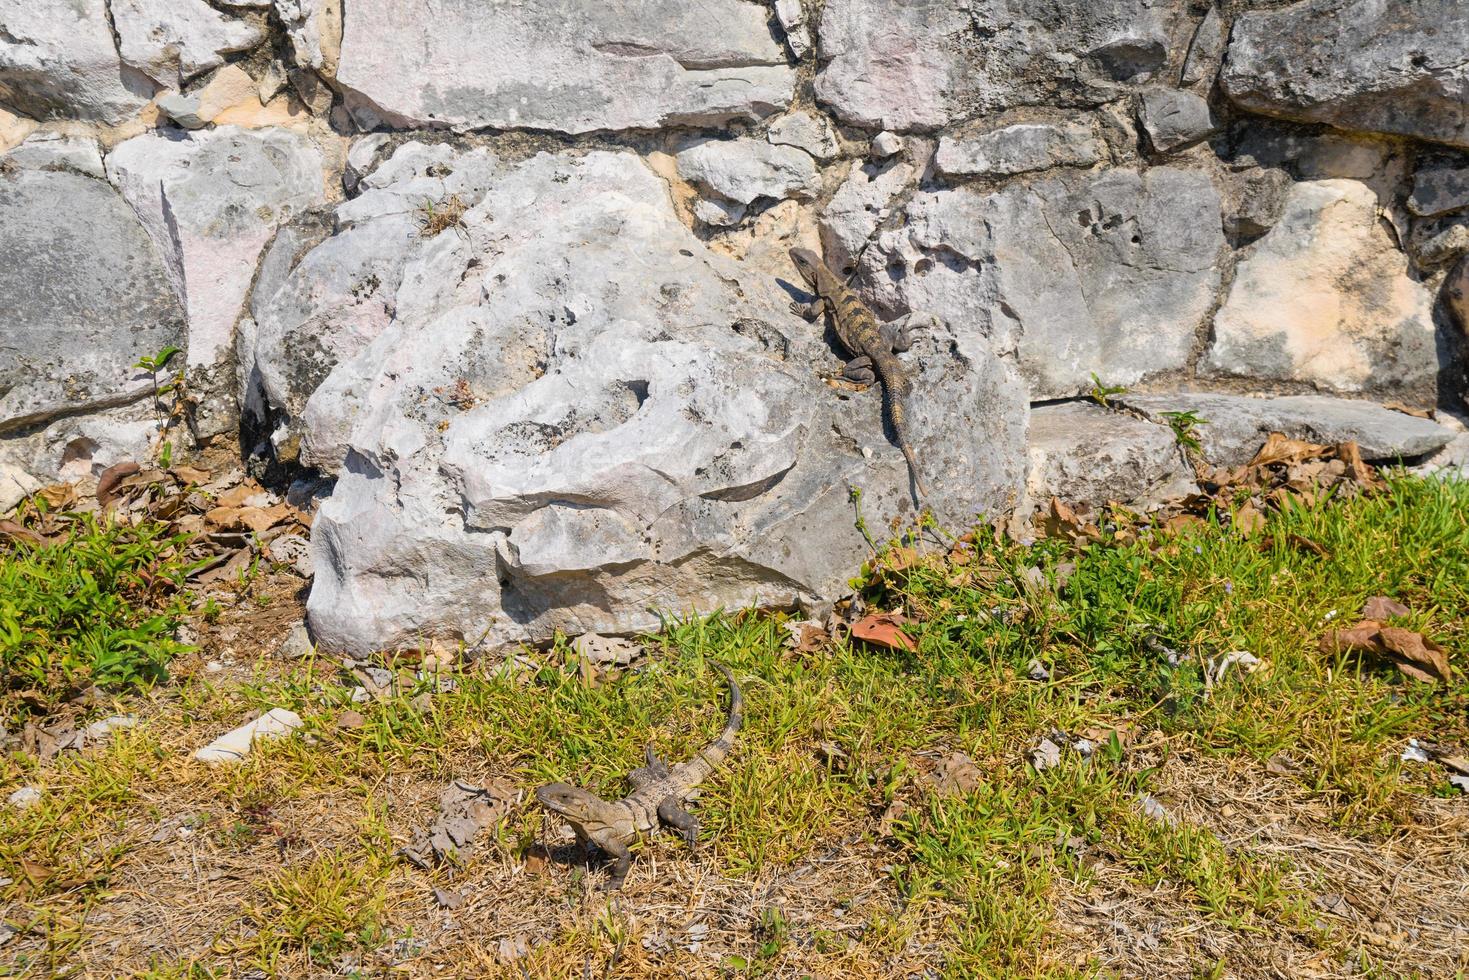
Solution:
(675, 816)
(860, 371)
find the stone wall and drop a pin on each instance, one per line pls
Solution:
(515, 275)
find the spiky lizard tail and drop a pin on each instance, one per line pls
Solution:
(718, 750)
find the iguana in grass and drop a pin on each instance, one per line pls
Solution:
(874, 348)
(657, 797)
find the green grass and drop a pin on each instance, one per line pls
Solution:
(97, 607)
(1124, 626)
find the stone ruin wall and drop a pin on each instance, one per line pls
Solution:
(513, 276)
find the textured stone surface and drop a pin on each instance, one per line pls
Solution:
(173, 41)
(324, 303)
(1174, 119)
(1326, 298)
(743, 170)
(561, 64)
(1018, 149)
(1238, 426)
(315, 30)
(792, 18)
(52, 151)
(211, 202)
(927, 63)
(1440, 188)
(1206, 51)
(1111, 272)
(607, 423)
(1366, 65)
(58, 61)
(852, 216)
(806, 131)
(1084, 453)
(84, 295)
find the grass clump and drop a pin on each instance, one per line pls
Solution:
(97, 606)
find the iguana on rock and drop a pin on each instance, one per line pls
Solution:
(657, 797)
(874, 348)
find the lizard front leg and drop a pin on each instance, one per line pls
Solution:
(621, 861)
(675, 816)
(811, 310)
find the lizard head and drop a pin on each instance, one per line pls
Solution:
(571, 802)
(807, 263)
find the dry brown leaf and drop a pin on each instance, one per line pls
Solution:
(1408, 410)
(956, 774)
(1182, 522)
(1351, 456)
(884, 630)
(1416, 655)
(107, 483)
(191, 474)
(1248, 519)
(1279, 448)
(1412, 653)
(10, 529)
(895, 811)
(1380, 607)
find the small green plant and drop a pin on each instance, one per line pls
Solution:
(436, 218)
(1101, 392)
(97, 607)
(171, 399)
(1184, 426)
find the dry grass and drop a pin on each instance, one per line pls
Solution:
(1296, 844)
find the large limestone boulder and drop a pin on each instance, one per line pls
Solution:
(1399, 67)
(58, 60)
(563, 65)
(1232, 428)
(603, 420)
(1111, 273)
(212, 201)
(83, 296)
(924, 64)
(1327, 298)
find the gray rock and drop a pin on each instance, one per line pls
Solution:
(58, 61)
(212, 202)
(324, 301)
(85, 295)
(1174, 119)
(886, 144)
(792, 18)
(315, 30)
(1112, 272)
(1238, 426)
(24, 798)
(364, 156)
(1326, 298)
(805, 131)
(53, 151)
(860, 204)
(1435, 242)
(603, 426)
(183, 110)
(174, 41)
(744, 170)
(924, 64)
(1361, 65)
(1018, 149)
(1084, 453)
(1439, 189)
(1257, 198)
(563, 65)
(1206, 53)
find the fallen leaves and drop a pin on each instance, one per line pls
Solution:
(884, 630)
(1380, 607)
(465, 811)
(1412, 653)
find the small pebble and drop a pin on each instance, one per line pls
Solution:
(885, 144)
(24, 798)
